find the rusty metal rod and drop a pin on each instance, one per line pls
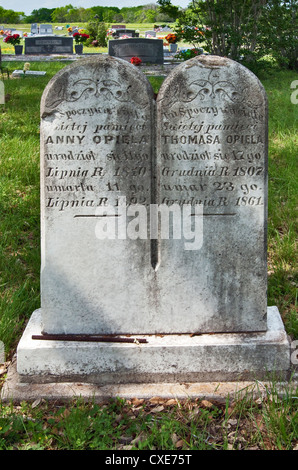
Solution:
(89, 338)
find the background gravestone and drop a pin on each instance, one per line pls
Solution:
(212, 150)
(34, 28)
(46, 29)
(97, 144)
(148, 50)
(150, 34)
(125, 32)
(48, 45)
(2, 92)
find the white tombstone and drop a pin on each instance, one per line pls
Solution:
(45, 29)
(124, 301)
(34, 28)
(150, 34)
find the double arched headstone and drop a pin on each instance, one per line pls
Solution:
(153, 211)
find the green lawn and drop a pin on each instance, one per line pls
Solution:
(265, 424)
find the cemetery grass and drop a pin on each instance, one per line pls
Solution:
(265, 423)
(269, 422)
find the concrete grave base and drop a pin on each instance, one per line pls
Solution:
(169, 365)
(15, 391)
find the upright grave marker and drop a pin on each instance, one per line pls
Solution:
(46, 29)
(104, 272)
(148, 50)
(212, 150)
(48, 45)
(34, 28)
(97, 148)
(119, 32)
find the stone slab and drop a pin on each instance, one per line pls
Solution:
(48, 45)
(28, 72)
(163, 359)
(125, 32)
(15, 391)
(148, 50)
(2, 352)
(97, 141)
(212, 151)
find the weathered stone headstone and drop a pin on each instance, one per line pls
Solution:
(34, 28)
(2, 89)
(125, 32)
(103, 151)
(37, 73)
(150, 34)
(212, 150)
(46, 29)
(97, 144)
(2, 352)
(148, 50)
(48, 45)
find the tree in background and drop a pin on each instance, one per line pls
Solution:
(60, 14)
(226, 27)
(247, 29)
(97, 31)
(43, 15)
(148, 13)
(98, 11)
(10, 16)
(166, 7)
(279, 31)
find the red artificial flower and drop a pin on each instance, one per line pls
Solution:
(135, 61)
(12, 39)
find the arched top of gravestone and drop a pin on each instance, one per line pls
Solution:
(205, 78)
(93, 80)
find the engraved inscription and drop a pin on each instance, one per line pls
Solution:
(96, 154)
(211, 153)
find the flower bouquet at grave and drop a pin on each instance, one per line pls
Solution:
(186, 54)
(110, 33)
(80, 38)
(135, 61)
(171, 38)
(13, 39)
